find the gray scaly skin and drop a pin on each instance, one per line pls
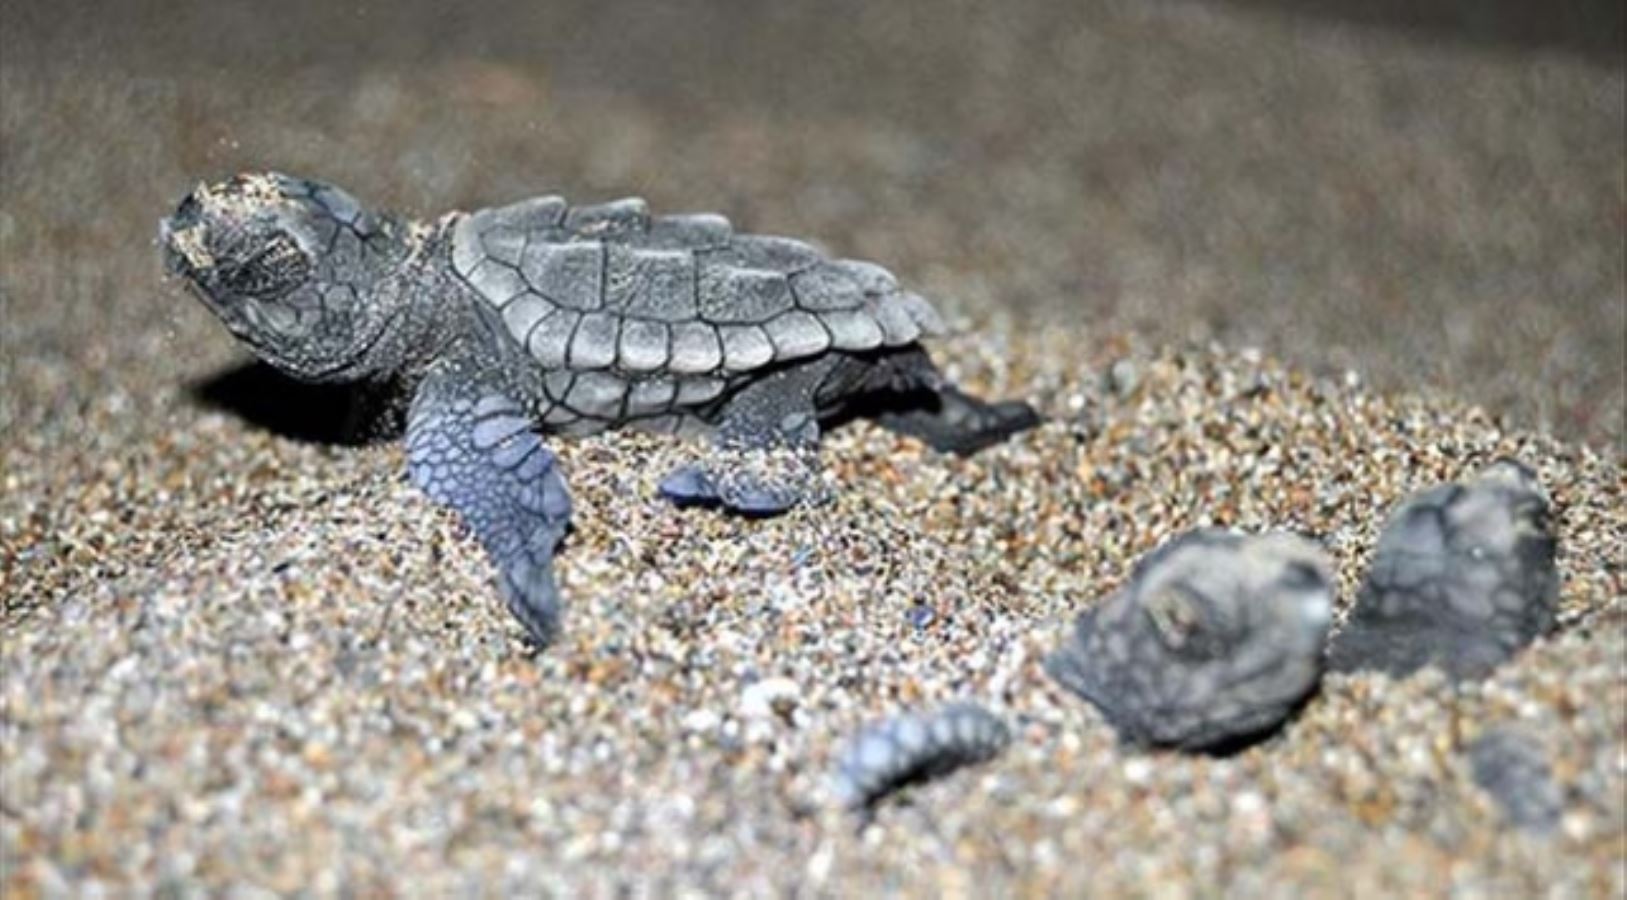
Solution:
(545, 318)
(1510, 764)
(1463, 577)
(1216, 639)
(914, 746)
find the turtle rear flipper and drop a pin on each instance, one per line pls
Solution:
(902, 391)
(953, 421)
(473, 448)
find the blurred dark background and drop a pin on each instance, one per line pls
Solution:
(1432, 193)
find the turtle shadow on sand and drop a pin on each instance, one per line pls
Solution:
(343, 415)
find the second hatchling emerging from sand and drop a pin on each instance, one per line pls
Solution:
(1214, 641)
(542, 317)
(1463, 577)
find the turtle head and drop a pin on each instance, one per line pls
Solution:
(296, 269)
(1211, 593)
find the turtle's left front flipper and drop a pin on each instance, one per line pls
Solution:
(474, 448)
(764, 459)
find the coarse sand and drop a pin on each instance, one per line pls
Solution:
(236, 659)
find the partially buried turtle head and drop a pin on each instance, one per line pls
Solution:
(294, 268)
(1213, 642)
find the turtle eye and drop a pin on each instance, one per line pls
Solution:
(1174, 615)
(273, 270)
(1298, 576)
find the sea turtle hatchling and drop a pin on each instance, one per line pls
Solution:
(542, 317)
(1216, 639)
(1462, 579)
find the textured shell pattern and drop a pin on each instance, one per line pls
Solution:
(665, 311)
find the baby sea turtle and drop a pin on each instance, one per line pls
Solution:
(1463, 577)
(1216, 639)
(541, 317)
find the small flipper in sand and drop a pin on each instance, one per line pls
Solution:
(474, 449)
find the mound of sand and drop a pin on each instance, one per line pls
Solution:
(234, 658)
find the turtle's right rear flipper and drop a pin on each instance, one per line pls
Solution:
(953, 421)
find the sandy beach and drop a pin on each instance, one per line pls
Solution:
(1332, 262)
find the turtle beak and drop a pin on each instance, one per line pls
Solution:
(174, 263)
(186, 253)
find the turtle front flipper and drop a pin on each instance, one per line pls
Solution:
(752, 481)
(474, 448)
(765, 453)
